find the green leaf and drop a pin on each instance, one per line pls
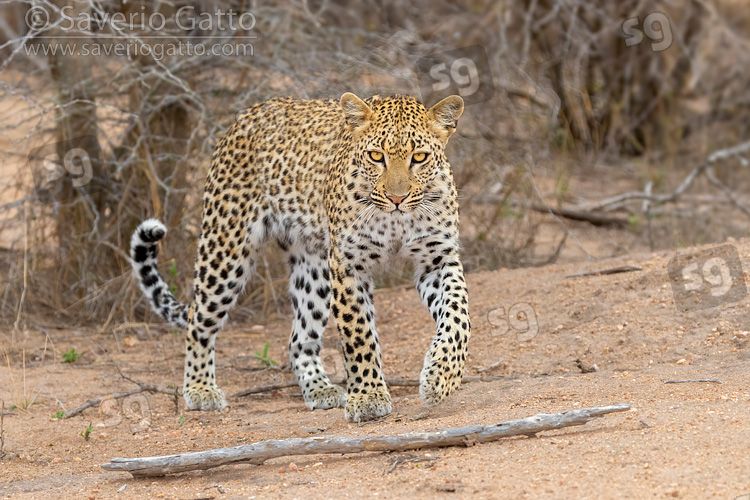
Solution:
(71, 356)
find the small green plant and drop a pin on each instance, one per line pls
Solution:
(181, 420)
(86, 433)
(634, 222)
(59, 414)
(263, 359)
(173, 275)
(71, 356)
(562, 187)
(24, 404)
(509, 212)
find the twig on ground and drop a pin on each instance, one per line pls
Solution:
(686, 381)
(406, 458)
(482, 369)
(258, 453)
(141, 388)
(641, 195)
(265, 388)
(119, 395)
(393, 382)
(578, 215)
(705, 168)
(567, 213)
(614, 270)
(711, 176)
(421, 416)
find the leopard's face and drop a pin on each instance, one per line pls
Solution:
(399, 161)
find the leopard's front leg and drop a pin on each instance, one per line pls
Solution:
(354, 311)
(442, 288)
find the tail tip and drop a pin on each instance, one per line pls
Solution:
(151, 230)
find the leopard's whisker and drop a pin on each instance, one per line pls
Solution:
(434, 209)
(424, 209)
(364, 210)
(371, 215)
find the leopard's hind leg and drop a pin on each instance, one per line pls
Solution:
(226, 257)
(310, 288)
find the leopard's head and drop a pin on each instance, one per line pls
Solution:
(399, 158)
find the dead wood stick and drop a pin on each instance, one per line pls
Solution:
(118, 395)
(711, 176)
(397, 381)
(482, 369)
(704, 168)
(614, 270)
(640, 195)
(257, 453)
(592, 218)
(685, 381)
(393, 382)
(266, 388)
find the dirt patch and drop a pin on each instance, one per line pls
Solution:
(678, 441)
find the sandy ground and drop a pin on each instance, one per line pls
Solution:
(686, 440)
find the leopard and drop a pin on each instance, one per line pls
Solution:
(343, 187)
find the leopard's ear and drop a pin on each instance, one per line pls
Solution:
(445, 114)
(357, 112)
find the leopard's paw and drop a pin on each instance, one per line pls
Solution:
(204, 397)
(437, 383)
(363, 407)
(326, 397)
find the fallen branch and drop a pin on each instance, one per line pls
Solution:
(392, 382)
(257, 453)
(642, 195)
(685, 381)
(613, 270)
(119, 395)
(265, 388)
(594, 219)
(482, 369)
(705, 168)
(711, 176)
(407, 458)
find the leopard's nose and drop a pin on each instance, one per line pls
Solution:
(396, 199)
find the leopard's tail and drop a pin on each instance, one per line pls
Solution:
(143, 251)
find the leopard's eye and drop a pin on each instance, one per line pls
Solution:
(418, 157)
(375, 156)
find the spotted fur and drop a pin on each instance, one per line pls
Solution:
(341, 187)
